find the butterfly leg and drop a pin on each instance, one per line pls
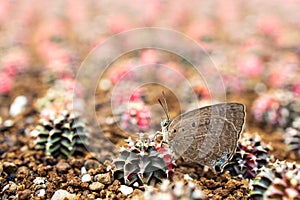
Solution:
(156, 134)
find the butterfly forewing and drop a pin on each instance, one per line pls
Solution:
(207, 135)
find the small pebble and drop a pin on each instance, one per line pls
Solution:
(9, 167)
(8, 123)
(91, 164)
(40, 192)
(63, 166)
(24, 148)
(40, 180)
(34, 133)
(50, 161)
(18, 106)
(126, 190)
(22, 172)
(83, 170)
(187, 177)
(11, 186)
(96, 186)
(104, 178)
(62, 195)
(198, 194)
(86, 178)
(105, 84)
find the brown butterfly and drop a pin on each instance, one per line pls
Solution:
(206, 135)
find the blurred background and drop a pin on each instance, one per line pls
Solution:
(255, 45)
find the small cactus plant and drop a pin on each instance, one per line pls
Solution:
(62, 136)
(251, 155)
(179, 190)
(280, 181)
(137, 117)
(143, 163)
(265, 110)
(278, 108)
(292, 140)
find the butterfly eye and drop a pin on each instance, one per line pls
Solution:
(165, 123)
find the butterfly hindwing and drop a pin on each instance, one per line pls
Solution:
(207, 135)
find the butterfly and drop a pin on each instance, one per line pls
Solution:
(206, 135)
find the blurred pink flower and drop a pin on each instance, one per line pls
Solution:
(205, 27)
(269, 25)
(5, 11)
(6, 83)
(118, 74)
(282, 75)
(266, 105)
(149, 57)
(48, 30)
(137, 116)
(252, 45)
(77, 11)
(15, 62)
(171, 72)
(124, 95)
(137, 95)
(151, 12)
(70, 84)
(227, 11)
(117, 24)
(296, 89)
(202, 31)
(250, 66)
(233, 83)
(202, 92)
(46, 37)
(56, 58)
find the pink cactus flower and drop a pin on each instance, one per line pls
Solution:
(117, 75)
(296, 89)
(15, 62)
(202, 92)
(250, 66)
(137, 117)
(149, 57)
(269, 25)
(264, 104)
(233, 83)
(137, 95)
(118, 24)
(281, 75)
(6, 83)
(171, 73)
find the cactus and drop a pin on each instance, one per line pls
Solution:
(143, 163)
(137, 117)
(63, 136)
(251, 155)
(280, 181)
(292, 140)
(278, 108)
(178, 190)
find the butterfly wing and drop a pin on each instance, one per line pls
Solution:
(208, 135)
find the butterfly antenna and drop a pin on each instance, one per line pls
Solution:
(165, 106)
